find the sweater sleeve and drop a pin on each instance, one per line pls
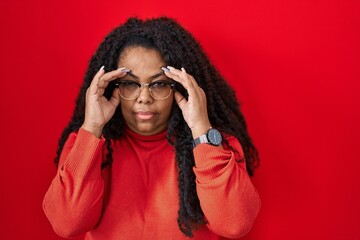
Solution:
(227, 197)
(73, 202)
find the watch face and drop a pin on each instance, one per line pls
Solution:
(214, 136)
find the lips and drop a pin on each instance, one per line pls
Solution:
(144, 115)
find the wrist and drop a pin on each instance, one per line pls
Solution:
(95, 130)
(212, 136)
(200, 130)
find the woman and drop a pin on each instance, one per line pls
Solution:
(157, 147)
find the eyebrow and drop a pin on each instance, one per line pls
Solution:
(152, 77)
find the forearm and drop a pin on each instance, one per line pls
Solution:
(73, 202)
(227, 197)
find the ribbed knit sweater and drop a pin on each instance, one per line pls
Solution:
(136, 197)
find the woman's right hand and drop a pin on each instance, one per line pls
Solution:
(99, 110)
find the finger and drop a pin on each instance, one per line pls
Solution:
(115, 98)
(184, 75)
(110, 76)
(180, 100)
(184, 81)
(93, 85)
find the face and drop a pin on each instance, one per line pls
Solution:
(145, 115)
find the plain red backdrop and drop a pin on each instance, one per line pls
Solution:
(293, 64)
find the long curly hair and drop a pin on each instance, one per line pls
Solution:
(179, 49)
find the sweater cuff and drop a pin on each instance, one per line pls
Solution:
(84, 160)
(211, 162)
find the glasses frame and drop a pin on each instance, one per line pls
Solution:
(141, 87)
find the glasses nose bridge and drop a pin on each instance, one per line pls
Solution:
(142, 86)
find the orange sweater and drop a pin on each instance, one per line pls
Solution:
(137, 196)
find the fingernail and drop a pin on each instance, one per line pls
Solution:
(165, 69)
(126, 70)
(102, 68)
(170, 67)
(183, 69)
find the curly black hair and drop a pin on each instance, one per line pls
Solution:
(179, 49)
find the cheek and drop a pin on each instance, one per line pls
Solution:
(167, 106)
(126, 109)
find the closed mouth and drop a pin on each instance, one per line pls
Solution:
(144, 115)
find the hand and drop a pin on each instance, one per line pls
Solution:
(99, 110)
(194, 109)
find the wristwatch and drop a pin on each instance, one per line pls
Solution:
(213, 137)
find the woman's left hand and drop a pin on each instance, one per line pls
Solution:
(194, 109)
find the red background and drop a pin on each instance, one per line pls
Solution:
(295, 68)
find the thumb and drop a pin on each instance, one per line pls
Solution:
(115, 98)
(180, 100)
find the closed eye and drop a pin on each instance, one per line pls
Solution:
(160, 84)
(128, 83)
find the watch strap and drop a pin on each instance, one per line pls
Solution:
(201, 139)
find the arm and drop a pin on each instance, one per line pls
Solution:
(73, 202)
(227, 197)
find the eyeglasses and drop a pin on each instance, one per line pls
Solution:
(131, 90)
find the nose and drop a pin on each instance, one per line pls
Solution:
(145, 96)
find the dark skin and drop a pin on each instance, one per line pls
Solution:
(145, 115)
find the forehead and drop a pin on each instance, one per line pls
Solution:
(140, 55)
(144, 63)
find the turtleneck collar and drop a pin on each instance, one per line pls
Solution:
(134, 135)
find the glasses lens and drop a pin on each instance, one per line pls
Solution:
(160, 90)
(129, 89)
